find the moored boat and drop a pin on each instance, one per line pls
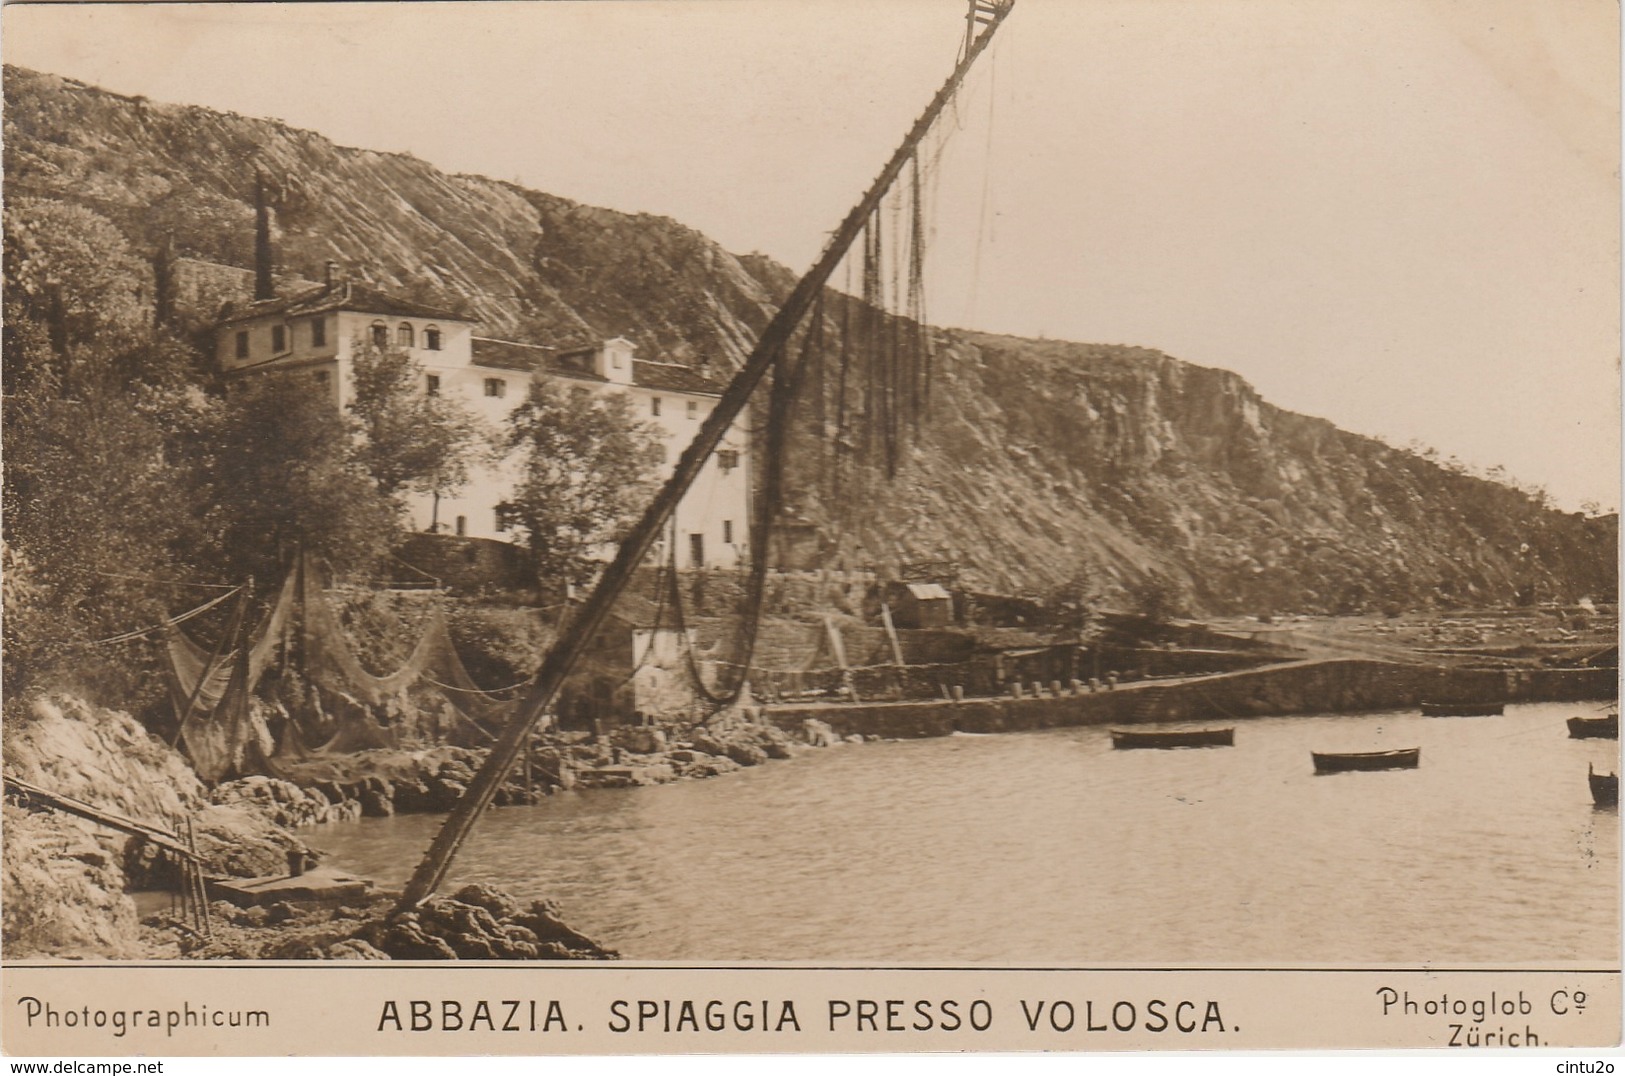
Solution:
(1164, 738)
(1462, 709)
(1594, 728)
(1405, 759)
(1604, 787)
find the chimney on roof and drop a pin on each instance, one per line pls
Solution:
(335, 274)
(264, 286)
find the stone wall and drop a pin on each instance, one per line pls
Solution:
(1304, 687)
(465, 565)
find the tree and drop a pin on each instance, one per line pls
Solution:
(70, 271)
(97, 521)
(101, 506)
(411, 440)
(587, 466)
(284, 473)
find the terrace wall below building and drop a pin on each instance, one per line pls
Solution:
(465, 565)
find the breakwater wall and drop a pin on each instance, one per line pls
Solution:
(1299, 687)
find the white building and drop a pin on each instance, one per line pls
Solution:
(316, 332)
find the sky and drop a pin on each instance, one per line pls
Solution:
(1399, 215)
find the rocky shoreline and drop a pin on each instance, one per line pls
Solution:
(376, 784)
(67, 881)
(477, 922)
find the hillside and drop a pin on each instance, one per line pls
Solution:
(1041, 463)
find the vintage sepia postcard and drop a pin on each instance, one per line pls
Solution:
(634, 527)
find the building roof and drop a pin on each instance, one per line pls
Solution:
(578, 363)
(525, 358)
(347, 295)
(927, 591)
(672, 377)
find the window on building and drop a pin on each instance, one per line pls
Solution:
(242, 344)
(496, 386)
(404, 335)
(693, 409)
(654, 406)
(727, 532)
(279, 339)
(727, 459)
(462, 526)
(696, 551)
(318, 332)
(431, 338)
(380, 334)
(431, 385)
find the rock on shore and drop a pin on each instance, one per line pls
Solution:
(65, 878)
(63, 889)
(477, 922)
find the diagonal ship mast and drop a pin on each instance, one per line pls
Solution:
(982, 21)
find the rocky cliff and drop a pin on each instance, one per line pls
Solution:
(1119, 471)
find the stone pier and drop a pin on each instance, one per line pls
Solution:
(1319, 686)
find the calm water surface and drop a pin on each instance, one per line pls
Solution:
(1052, 848)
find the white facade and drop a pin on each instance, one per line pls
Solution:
(318, 335)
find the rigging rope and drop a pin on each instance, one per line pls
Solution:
(984, 220)
(150, 579)
(140, 632)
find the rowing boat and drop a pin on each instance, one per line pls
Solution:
(1604, 787)
(1405, 759)
(1124, 740)
(1594, 728)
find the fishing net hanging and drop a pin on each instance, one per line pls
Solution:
(341, 707)
(842, 399)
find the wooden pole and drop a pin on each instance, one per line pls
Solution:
(896, 647)
(585, 622)
(199, 884)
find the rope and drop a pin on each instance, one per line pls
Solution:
(491, 693)
(150, 579)
(435, 579)
(481, 729)
(982, 223)
(129, 635)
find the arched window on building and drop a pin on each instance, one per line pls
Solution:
(404, 335)
(380, 334)
(431, 338)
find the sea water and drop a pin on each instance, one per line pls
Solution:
(1051, 848)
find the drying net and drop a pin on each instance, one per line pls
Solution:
(341, 707)
(844, 397)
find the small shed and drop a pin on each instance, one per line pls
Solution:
(920, 605)
(633, 668)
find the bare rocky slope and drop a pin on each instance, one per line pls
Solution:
(1042, 463)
